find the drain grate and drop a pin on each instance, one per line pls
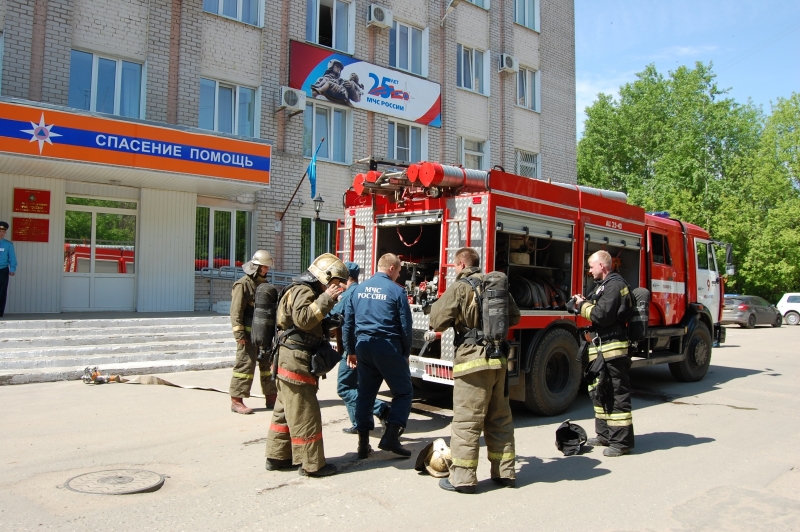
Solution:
(116, 482)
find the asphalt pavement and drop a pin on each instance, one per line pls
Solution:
(719, 454)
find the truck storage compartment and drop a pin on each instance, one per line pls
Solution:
(536, 255)
(625, 250)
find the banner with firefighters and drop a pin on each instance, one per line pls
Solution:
(44, 132)
(327, 75)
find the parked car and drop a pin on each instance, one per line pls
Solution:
(749, 311)
(789, 307)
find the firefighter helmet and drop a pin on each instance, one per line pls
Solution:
(335, 63)
(260, 258)
(327, 267)
(435, 458)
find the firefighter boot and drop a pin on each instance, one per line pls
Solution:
(614, 452)
(597, 442)
(326, 471)
(237, 405)
(271, 398)
(363, 444)
(274, 464)
(447, 486)
(391, 440)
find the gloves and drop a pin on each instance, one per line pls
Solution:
(429, 336)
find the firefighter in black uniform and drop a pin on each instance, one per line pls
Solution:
(608, 308)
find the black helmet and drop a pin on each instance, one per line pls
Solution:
(569, 438)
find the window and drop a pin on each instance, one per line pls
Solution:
(228, 108)
(702, 255)
(793, 299)
(528, 89)
(526, 164)
(408, 48)
(247, 11)
(526, 12)
(470, 68)
(480, 3)
(224, 235)
(328, 23)
(105, 85)
(660, 249)
(316, 237)
(405, 142)
(332, 124)
(474, 153)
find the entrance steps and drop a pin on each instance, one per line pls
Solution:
(46, 350)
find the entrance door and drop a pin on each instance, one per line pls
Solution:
(708, 285)
(99, 255)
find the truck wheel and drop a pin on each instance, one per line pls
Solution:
(552, 383)
(698, 356)
(792, 318)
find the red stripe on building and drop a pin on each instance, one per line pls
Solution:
(279, 428)
(306, 441)
(308, 379)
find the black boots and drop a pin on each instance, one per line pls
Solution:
(363, 444)
(391, 440)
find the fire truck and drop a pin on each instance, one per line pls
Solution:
(540, 234)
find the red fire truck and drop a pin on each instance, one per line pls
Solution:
(540, 234)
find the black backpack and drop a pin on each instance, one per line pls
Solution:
(640, 315)
(266, 304)
(492, 297)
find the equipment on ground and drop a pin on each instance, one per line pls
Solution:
(435, 459)
(93, 376)
(569, 438)
(539, 234)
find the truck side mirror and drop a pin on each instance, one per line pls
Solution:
(730, 269)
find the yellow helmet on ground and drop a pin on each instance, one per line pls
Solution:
(327, 267)
(435, 458)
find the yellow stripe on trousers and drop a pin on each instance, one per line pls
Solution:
(499, 457)
(458, 462)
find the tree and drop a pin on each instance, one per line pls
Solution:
(677, 143)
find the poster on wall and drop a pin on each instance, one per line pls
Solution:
(30, 230)
(28, 200)
(324, 74)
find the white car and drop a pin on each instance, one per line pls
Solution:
(789, 307)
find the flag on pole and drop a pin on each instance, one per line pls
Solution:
(312, 170)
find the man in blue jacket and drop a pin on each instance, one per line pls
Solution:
(347, 387)
(8, 265)
(378, 322)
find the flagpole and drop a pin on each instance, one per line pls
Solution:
(301, 181)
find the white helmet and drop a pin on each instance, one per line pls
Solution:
(327, 267)
(435, 458)
(260, 258)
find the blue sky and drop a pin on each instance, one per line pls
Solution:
(754, 45)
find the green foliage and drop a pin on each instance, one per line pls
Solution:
(677, 143)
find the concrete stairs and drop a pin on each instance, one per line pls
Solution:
(46, 350)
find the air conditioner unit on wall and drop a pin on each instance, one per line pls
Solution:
(379, 16)
(292, 99)
(508, 63)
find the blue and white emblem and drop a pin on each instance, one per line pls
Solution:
(41, 133)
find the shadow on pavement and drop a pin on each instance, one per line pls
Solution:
(532, 469)
(661, 441)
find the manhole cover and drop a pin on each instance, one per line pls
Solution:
(116, 482)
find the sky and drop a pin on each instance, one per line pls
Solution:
(754, 45)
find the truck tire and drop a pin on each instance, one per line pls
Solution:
(697, 353)
(792, 318)
(552, 383)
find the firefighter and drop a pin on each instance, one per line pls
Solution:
(242, 307)
(480, 403)
(378, 344)
(295, 434)
(607, 307)
(347, 387)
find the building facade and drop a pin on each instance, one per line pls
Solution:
(249, 89)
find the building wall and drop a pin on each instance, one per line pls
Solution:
(164, 283)
(36, 287)
(557, 41)
(179, 43)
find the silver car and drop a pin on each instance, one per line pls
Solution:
(749, 311)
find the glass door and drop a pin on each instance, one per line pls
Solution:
(99, 255)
